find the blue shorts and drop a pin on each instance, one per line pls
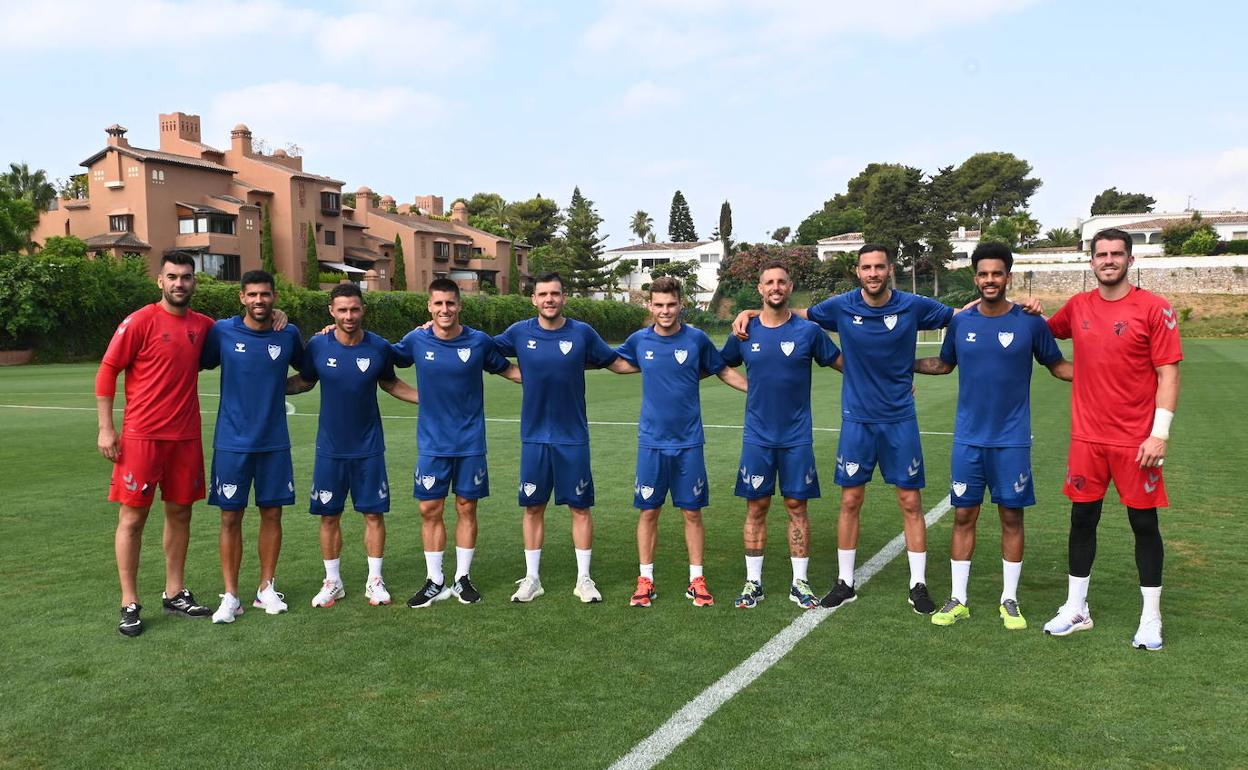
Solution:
(894, 446)
(433, 477)
(1004, 470)
(561, 467)
(683, 471)
(233, 474)
(364, 477)
(799, 480)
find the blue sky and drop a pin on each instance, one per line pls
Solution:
(772, 105)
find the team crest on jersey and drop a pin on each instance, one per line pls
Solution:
(363, 363)
(681, 355)
(275, 351)
(565, 346)
(756, 481)
(890, 321)
(1005, 338)
(646, 492)
(528, 488)
(240, 347)
(463, 354)
(786, 347)
(1120, 327)
(427, 481)
(191, 335)
(959, 488)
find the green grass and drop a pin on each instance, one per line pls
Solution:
(559, 684)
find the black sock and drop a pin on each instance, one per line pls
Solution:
(1082, 544)
(1149, 551)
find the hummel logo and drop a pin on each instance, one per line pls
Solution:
(810, 477)
(478, 478)
(649, 355)
(1150, 486)
(1170, 321)
(332, 363)
(428, 355)
(890, 321)
(1021, 484)
(131, 484)
(464, 354)
(240, 347)
(858, 320)
(363, 363)
(970, 336)
(383, 491)
(681, 355)
(290, 485)
(745, 474)
(531, 345)
(914, 466)
(565, 347)
(581, 485)
(959, 488)
(275, 351)
(698, 486)
(754, 347)
(786, 347)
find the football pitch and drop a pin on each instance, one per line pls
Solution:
(562, 684)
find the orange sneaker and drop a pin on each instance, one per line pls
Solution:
(700, 594)
(644, 594)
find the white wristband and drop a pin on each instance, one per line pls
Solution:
(1161, 423)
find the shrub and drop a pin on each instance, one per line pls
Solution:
(747, 298)
(1175, 236)
(1239, 246)
(1200, 242)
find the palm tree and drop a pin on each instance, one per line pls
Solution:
(642, 225)
(1061, 236)
(31, 185)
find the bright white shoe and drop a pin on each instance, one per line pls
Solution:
(1148, 635)
(375, 591)
(230, 608)
(1068, 621)
(530, 587)
(331, 591)
(269, 600)
(586, 590)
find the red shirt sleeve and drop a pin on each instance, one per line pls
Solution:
(106, 379)
(127, 340)
(1059, 324)
(1163, 337)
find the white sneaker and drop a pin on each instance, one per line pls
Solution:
(530, 588)
(586, 590)
(375, 591)
(1068, 621)
(230, 608)
(269, 600)
(1148, 635)
(331, 591)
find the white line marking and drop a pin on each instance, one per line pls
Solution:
(685, 722)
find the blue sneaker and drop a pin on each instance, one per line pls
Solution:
(801, 595)
(751, 595)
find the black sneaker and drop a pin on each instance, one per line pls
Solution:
(841, 593)
(432, 592)
(920, 600)
(465, 591)
(183, 603)
(130, 624)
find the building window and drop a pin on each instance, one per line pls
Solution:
(441, 250)
(709, 258)
(476, 251)
(461, 251)
(251, 223)
(186, 225)
(650, 262)
(121, 223)
(1239, 235)
(98, 174)
(331, 203)
(223, 266)
(132, 171)
(158, 175)
(331, 238)
(222, 225)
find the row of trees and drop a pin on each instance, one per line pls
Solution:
(23, 194)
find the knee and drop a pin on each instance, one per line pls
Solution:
(851, 500)
(580, 514)
(1085, 515)
(691, 517)
(651, 516)
(270, 515)
(231, 521)
(966, 517)
(1144, 521)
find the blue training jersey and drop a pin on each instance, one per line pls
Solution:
(879, 345)
(251, 414)
(350, 422)
(777, 406)
(452, 397)
(993, 355)
(553, 365)
(671, 369)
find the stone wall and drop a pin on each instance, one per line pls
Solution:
(1182, 280)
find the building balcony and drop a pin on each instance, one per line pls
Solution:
(212, 243)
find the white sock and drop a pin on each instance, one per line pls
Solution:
(918, 567)
(433, 567)
(583, 556)
(1077, 591)
(331, 570)
(845, 564)
(374, 567)
(533, 561)
(754, 568)
(695, 572)
(1152, 602)
(1010, 570)
(647, 570)
(463, 561)
(799, 567)
(961, 573)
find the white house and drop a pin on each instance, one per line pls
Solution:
(644, 256)
(1145, 229)
(962, 240)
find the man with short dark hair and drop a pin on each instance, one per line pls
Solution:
(992, 345)
(158, 347)
(450, 434)
(1127, 354)
(777, 448)
(251, 442)
(673, 358)
(350, 364)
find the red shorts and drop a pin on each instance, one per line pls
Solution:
(177, 467)
(1091, 466)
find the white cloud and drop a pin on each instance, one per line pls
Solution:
(643, 96)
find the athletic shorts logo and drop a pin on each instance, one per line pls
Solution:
(1005, 338)
(581, 485)
(131, 484)
(970, 336)
(332, 363)
(959, 488)
(478, 478)
(646, 492)
(528, 488)
(427, 481)
(428, 355)
(290, 485)
(240, 347)
(275, 351)
(786, 347)
(464, 354)
(1021, 484)
(565, 346)
(363, 363)
(531, 345)
(228, 490)
(325, 496)
(745, 475)
(681, 355)
(890, 321)
(810, 477)
(756, 481)
(913, 467)
(698, 486)
(1076, 481)
(851, 468)
(1150, 486)
(383, 491)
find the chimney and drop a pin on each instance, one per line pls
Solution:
(429, 204)
(177, 126)
(459, 213)
(240, 140)
(386, 203)
(117, 136)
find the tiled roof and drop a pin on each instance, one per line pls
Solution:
(229, 199)
(842, 238)
(138, 153)
(418, 224)
(251, 187)
(296, 173)
(200, 208)
(353, 223)
(112, 240)
(969, 234)
(363, 255)
(1161, 222)
(672, 246)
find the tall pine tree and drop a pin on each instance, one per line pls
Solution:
(725, 227)
(590, 272)
(267, 261)
(312, 266)
(398, 281)
(680, 221)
